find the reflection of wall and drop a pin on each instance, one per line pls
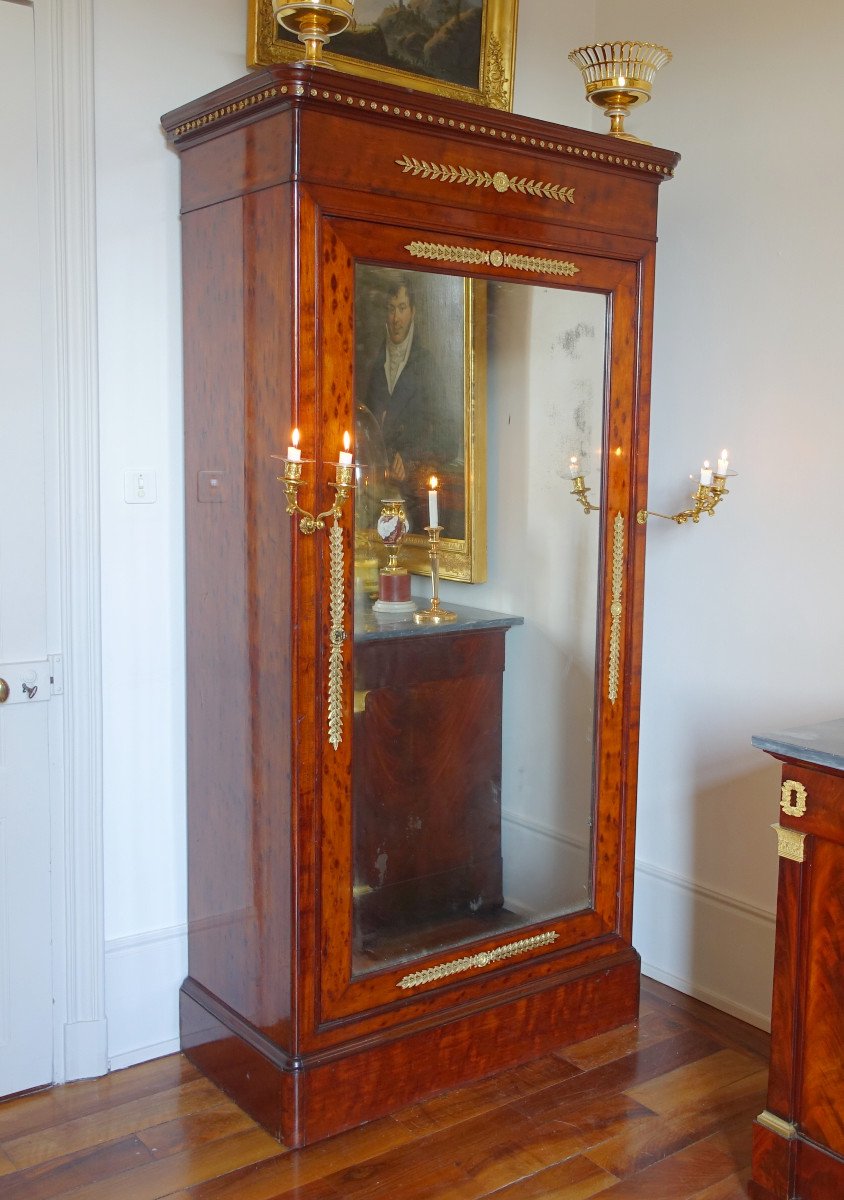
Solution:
(545, 385)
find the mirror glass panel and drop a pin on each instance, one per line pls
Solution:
(473, 733)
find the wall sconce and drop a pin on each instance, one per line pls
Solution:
(308, 523)
(710, 491)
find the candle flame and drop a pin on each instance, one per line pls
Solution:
(347, 441)
(294, 437)
(724, 452)
(706, 464)
(433, 483)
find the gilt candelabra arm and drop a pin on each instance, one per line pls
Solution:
(292, 480)
(706, 498)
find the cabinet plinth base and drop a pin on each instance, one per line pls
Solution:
(792, 1168)
(302, 1101)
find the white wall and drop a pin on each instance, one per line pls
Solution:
(149, 59)
(740, 612)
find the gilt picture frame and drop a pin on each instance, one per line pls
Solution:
(459, 49)
(433, 422)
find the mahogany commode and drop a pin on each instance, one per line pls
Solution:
(798, 1141)
(316, 996)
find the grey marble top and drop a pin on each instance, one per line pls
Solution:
(822, 744)
(369, 626)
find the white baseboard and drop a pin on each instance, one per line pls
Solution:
(714, 947)
(143, 975)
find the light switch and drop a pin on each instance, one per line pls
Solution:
(139, 487)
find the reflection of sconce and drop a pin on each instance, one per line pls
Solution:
(342, 484)
(709, 493)
(579, 488)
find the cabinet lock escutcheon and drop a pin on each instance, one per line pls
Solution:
(4, 691)
(793, 802)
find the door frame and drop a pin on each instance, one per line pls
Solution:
(64, 64)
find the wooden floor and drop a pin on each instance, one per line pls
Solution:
(661, 1110)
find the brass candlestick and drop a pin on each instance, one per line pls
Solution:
(314, 22)
(619, 75)
(434, 615)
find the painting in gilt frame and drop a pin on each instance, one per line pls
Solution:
(420, 399)
(460, 49)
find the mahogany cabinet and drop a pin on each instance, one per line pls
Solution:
(409, 865)
(798, 1141)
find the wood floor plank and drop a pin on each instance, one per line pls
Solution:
(162, 1177)
(686, 1087)
(733, 1188)
(64, 1175)
(730, 1030)
(464, 1103)
(636, 1068)
(6, 1165)
(196, 1129)
(575, 1179)
(112, 1123)
(698, 1166)
(618, 1043)
(298, 1168)
(57, 1105)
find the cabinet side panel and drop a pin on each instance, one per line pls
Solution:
(238, 780)
(821, 1111)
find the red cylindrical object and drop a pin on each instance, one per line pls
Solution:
(394, 587)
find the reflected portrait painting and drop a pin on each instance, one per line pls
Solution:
(419, 405)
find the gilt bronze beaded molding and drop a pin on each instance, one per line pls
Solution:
(472, 962)
(267, 95)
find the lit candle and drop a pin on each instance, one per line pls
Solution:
(574, 466)
(345, 454)
(294, 454)
(433, 512)
(723, 463)
(706, 474)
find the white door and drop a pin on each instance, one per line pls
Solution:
(26, 985)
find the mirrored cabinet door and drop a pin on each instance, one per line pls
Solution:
(473, 784)
(486, 770)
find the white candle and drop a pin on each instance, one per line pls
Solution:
(574, 466)
(723, 463)
(433, 512)
(706, 474)
(294, 454)
(345, 455)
